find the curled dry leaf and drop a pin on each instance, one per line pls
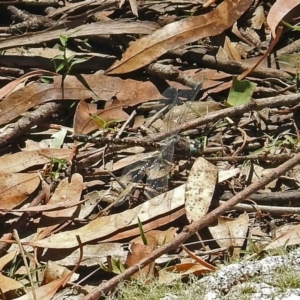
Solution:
(278, 11)
(177, 34)
(4, 91)
(200, 188)
(167, 275)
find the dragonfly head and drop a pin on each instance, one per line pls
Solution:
(195, 147)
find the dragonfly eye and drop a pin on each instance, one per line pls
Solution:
(195, 147)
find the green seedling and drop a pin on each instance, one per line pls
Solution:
(58, 164)
(103, 124)
(115, 267)
(64, 63)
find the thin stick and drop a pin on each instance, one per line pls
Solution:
(17, 238)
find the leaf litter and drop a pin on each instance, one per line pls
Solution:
(60, 191)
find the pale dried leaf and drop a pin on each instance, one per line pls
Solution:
(9, 284)
(179, 271)
(92, 255)
(138, 252)
(289, 238)
(231, 232)
(45, 292)
(4, 260)
(200, 188)
(54, 271)
(258, 18)
(107, 225)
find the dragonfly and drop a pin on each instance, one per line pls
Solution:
(157, 168)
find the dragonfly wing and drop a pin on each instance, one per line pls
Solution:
(158, 173)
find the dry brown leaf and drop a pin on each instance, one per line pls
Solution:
(151, 225)
(53, 271)
(9, 284)
(23, 160)
(138, 252)
(4, 260)
(96, 28)
(177, 34)
(83, 123)
(92, 254)
(200, 188)
(198, 259)
(231, 49)
(15, 188)
(231, 232)
(83, 112)
(48, 207)
(68, 193)
(125, 92)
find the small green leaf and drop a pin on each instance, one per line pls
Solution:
(47, 79)
(58, 57)
(69, 59)
(294, 27)
(98, 120)
(63, 40)
(60, 67)
(290, 139)
(79, 60)
(240, 92)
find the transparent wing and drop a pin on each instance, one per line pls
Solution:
(157, 169)
(158, 173)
